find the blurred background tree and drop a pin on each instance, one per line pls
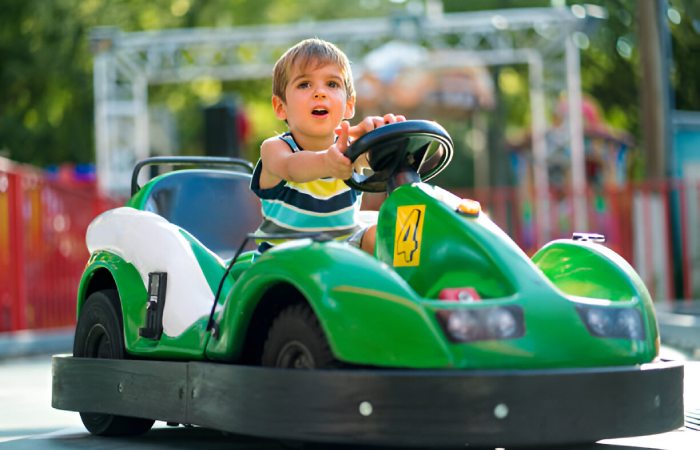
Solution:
(46, 102)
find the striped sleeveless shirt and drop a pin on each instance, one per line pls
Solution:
(325, 205)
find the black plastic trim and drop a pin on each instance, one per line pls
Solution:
(383, 407)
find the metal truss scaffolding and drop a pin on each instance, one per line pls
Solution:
(127, 63)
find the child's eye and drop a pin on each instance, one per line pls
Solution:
(333, 84)
(303, 85)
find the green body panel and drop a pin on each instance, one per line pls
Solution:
(133, 295)
(125, 276)
(594, 271)
(555, 337)
(138, 201)
(467, 251)
(369, 314)
(456, 250)
(590, 270)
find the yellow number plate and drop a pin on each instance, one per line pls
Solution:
(409, 234)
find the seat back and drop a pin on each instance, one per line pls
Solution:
(215, 206)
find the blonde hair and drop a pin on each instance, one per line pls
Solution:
(310, 51)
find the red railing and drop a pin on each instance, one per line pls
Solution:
(42, 246)
(43, 224)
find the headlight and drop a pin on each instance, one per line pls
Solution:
(468, 325)
(610, 322)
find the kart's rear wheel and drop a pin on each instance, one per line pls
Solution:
(98, 334)
(296, 341)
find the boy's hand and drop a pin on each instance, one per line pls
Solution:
(370, 123)
(338, 165)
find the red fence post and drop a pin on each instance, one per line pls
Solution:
(667, 188)
(685, 239)
(6, 277)
(18, 310)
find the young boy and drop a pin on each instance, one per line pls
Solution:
(299, 177)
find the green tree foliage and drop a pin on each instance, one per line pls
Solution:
(610, 65)
(686, 55)
(46, 99)
(46, 94)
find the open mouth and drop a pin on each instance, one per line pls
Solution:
(319, 112)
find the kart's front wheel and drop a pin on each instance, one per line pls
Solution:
(98, 334)
(296, 341)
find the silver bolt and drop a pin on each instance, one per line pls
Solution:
(501, 411)
(366, 408)
(120, 387)
(657, 401)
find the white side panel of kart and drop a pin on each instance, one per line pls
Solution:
(152, 244)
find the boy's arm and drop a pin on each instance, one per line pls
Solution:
(279, 162)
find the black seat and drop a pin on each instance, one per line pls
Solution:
(215, 206)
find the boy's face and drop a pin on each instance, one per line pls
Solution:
(316, 103)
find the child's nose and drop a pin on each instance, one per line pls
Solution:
(319, 93)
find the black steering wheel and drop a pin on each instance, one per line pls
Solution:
(400, 153)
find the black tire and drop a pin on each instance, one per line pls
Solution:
(98, 334)
(296, 341)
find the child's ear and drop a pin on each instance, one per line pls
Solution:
(279, 107)
(349, 108)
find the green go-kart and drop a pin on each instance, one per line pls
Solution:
(449, 335)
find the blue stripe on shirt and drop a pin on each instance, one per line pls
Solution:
(285, 215)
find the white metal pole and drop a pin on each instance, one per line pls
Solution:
(539, 147)
(578, 163)
(141, 126)
(101, 82)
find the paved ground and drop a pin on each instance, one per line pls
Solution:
(25, 399)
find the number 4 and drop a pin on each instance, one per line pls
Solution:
(409, 231)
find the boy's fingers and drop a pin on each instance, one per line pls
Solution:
(355, 131)
(376, 122)
(343, 136)
(370, 123)
(339, 128)
(393, 118)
